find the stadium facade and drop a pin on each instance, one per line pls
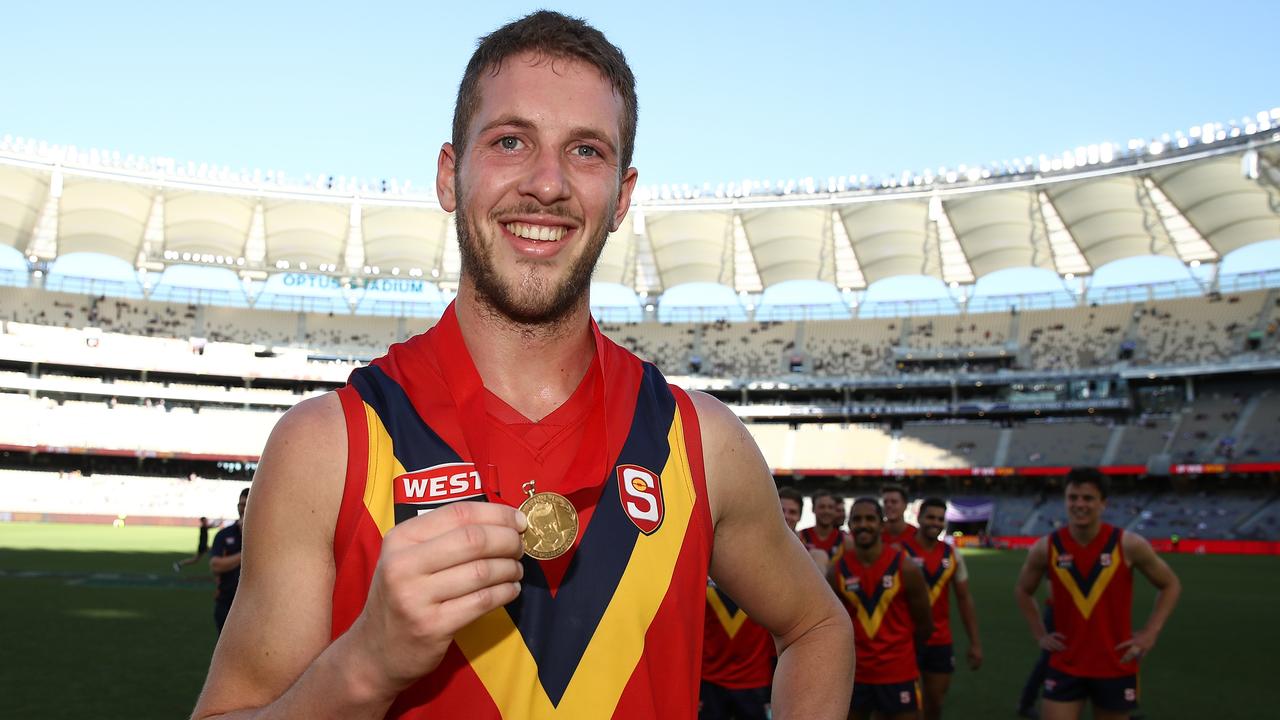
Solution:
(157, 319)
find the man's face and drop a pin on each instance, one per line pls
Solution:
(539, 188)
(824, 510)
(932, 521)
(841, 513)
(1084, 504)
(244, 500)
(865, 525)
(791, 512)
(894, 505)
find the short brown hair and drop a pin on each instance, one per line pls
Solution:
(895, 487)
(789, 493)
(556, 36)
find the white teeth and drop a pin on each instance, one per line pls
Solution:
(539, 233)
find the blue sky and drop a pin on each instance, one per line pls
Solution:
(727, 90)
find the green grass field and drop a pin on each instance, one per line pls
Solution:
(94, 623)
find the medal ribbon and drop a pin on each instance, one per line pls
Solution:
(465, 387)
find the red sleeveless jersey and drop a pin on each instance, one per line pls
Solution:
(939, 567)
(613, 628)
(737, 652)
(830, 544)
(1092, 603)
(899, 541)
(883, 632)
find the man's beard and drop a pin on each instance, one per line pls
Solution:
(532, 299)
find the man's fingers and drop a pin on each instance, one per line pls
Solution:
(459, 612)
(459, 514)
(462, 580)
(459, 546)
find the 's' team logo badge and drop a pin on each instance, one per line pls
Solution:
(641, 493)
(438, 485)
(1105, 560)
(887, 581)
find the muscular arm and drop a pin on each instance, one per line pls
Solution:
(1142, 557)
(1024, 591)
(435, 574)
(762, 565)
(917, 590)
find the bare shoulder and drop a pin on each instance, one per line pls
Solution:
(737, 475)
(1135, 547)
(305, 458)
(719, 425)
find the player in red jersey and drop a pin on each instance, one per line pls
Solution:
(825, 535)
(358, 601)
(737, 662)
(888, 602)
(897, 530)
(944, 570)
(792, 506)
(1094, 653)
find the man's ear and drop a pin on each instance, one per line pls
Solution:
(446, 172)
(625, 188)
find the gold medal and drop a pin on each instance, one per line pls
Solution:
(553, 524)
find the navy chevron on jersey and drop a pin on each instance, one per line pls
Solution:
(882, 626)
(830, 543)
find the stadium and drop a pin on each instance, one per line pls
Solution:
(973, 333)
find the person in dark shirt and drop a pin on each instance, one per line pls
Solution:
(224, 561)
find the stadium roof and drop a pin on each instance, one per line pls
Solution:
(1193, 199)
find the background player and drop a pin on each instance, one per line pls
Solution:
(896, 528)
(792, 506)
(825, 535)
(737, 662)
(888, 602)
(224, 561)
(1094, 652)
(202, 547)
(944, 570)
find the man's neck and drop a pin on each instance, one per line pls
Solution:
(868, 556)
(533, 368)
(822, 530)
(1084, 534)
(895, 527)
(925, 542)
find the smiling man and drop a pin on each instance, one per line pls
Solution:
(888, 603)
(1094, 652)
(391, 572)
(944, 571)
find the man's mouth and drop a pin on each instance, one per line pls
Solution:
(536, 233)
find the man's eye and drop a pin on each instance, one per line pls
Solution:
(509, 143)
(586, 151)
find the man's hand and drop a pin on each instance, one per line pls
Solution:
(975, 656)
(436, 574)
(1053, 642)
(1137, 646)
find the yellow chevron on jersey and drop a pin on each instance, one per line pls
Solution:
(938, 587)
(384, 467)
(498, 654)
(880, 599)
(1085, 592)
(731, 621)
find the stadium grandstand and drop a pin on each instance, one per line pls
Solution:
(976, 331)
